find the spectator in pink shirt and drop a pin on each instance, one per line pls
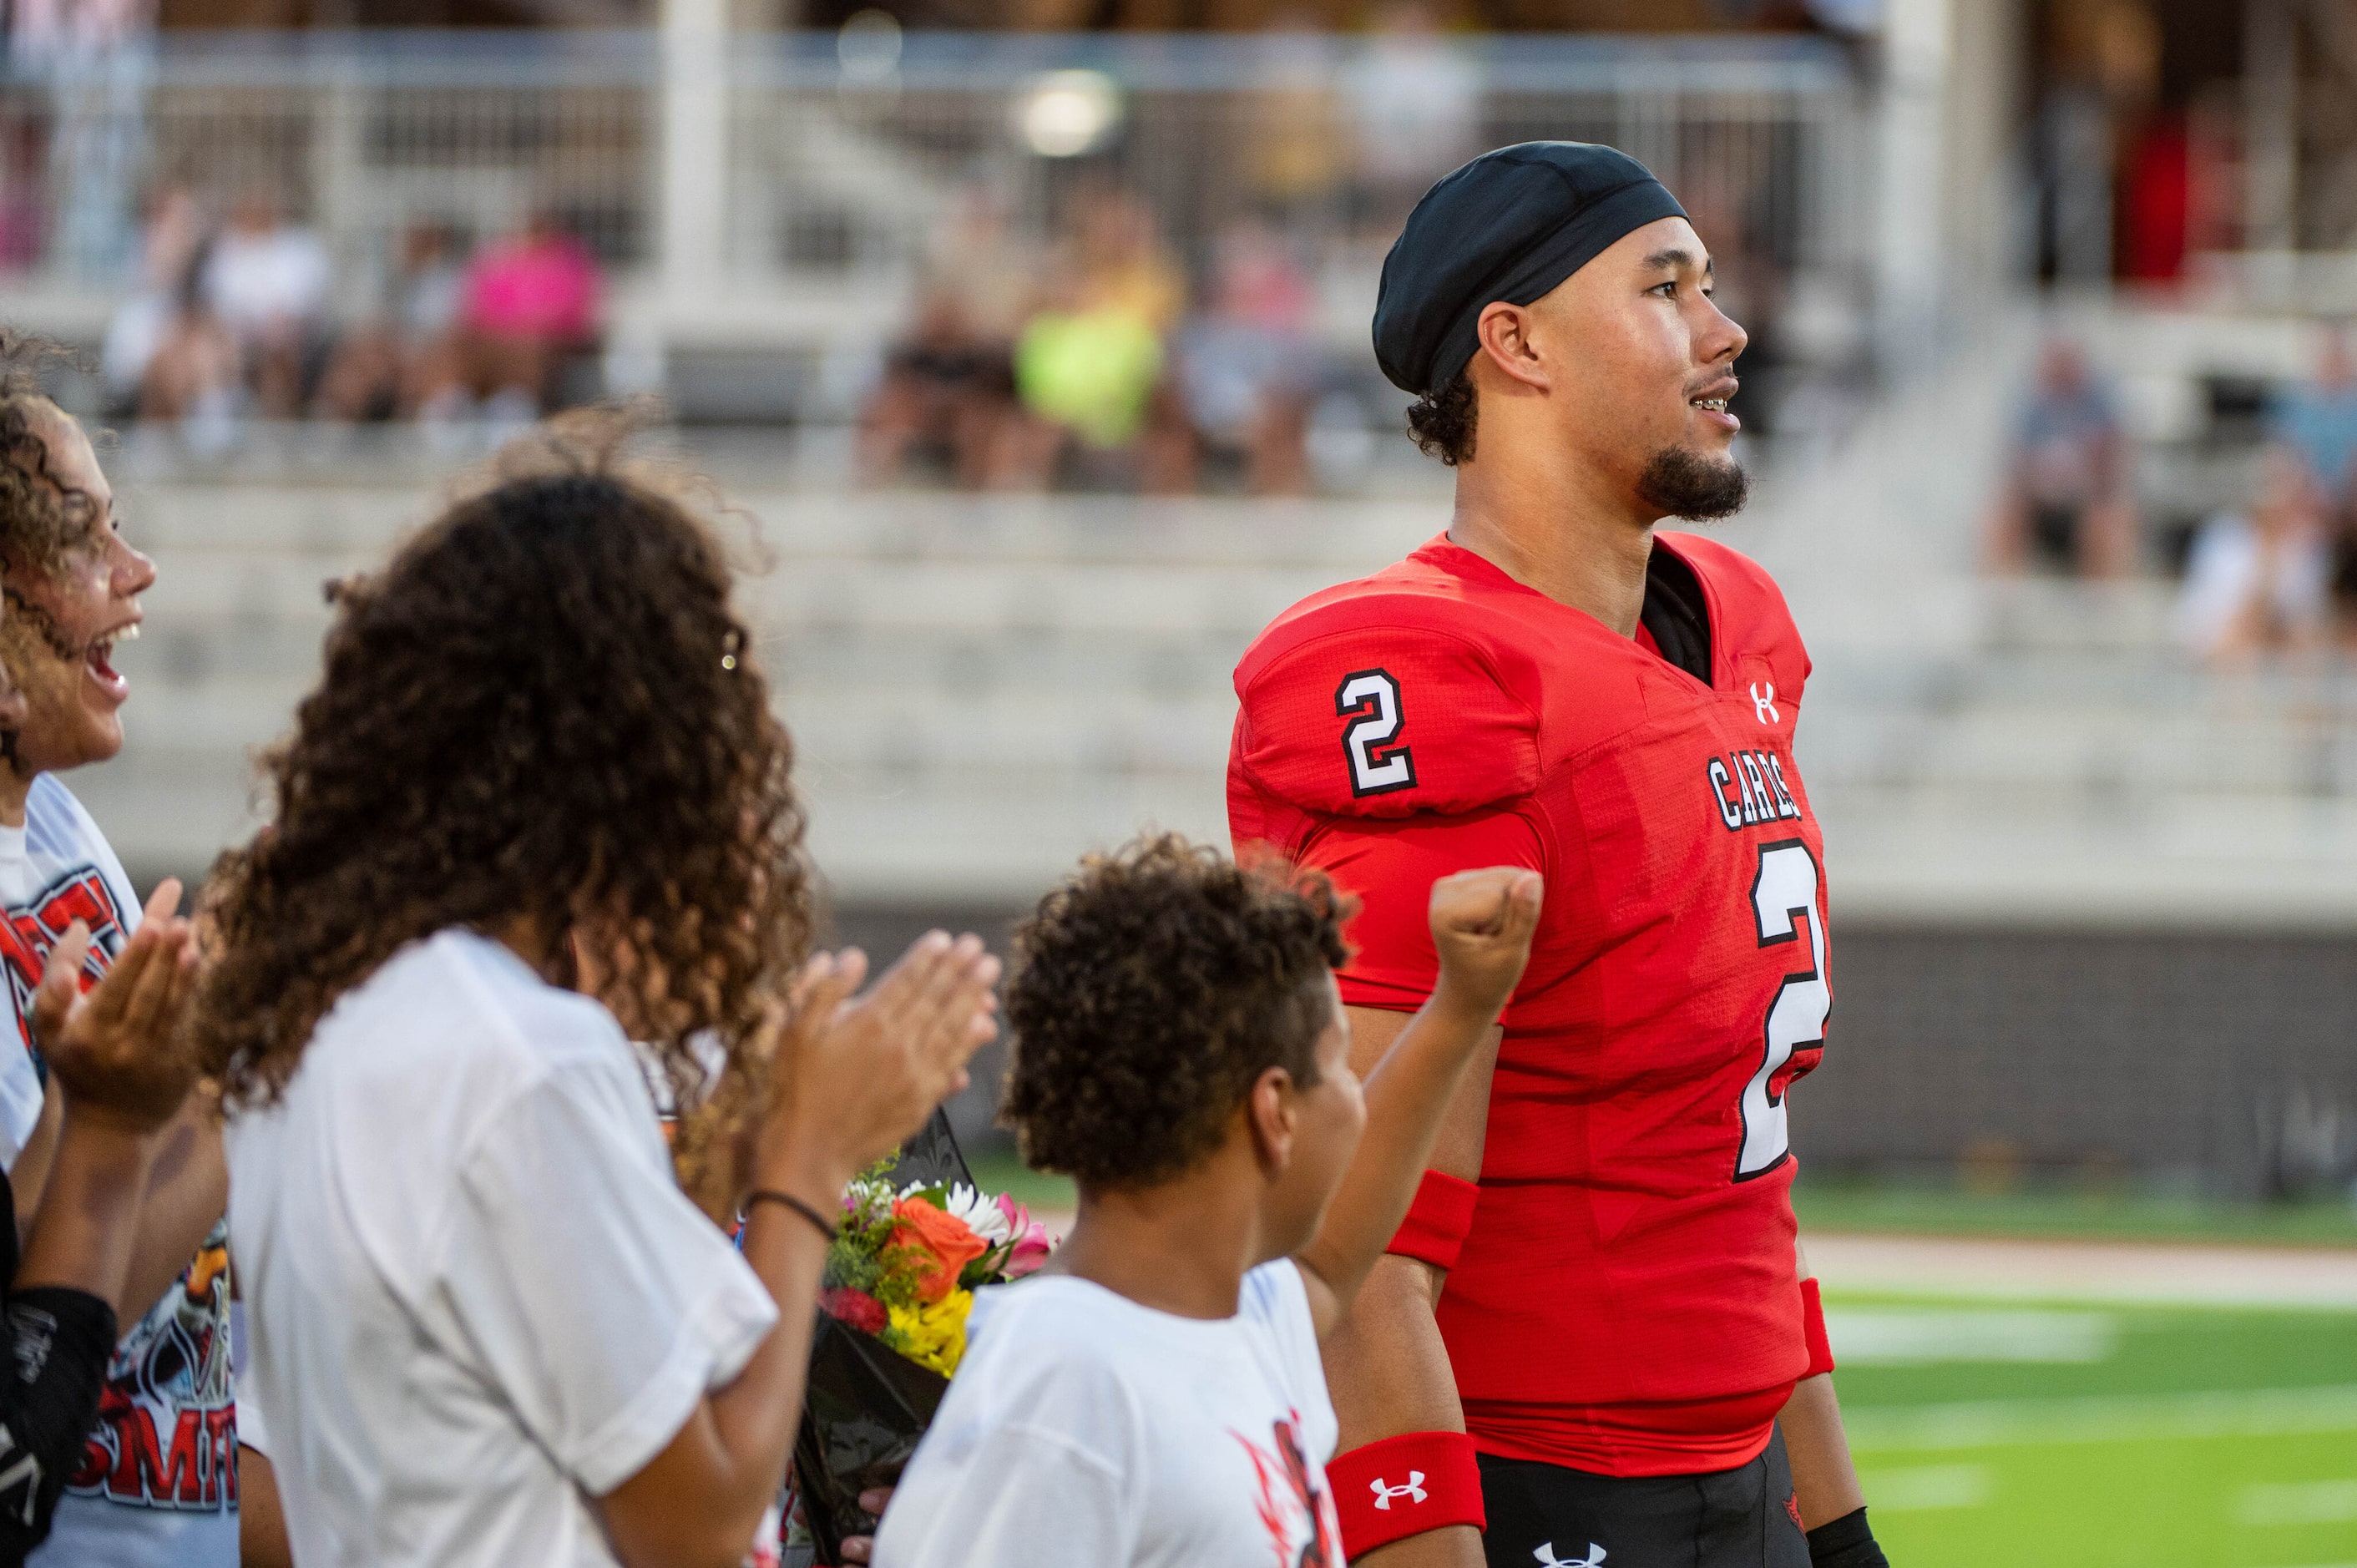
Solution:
(528, 303)
(540, 286)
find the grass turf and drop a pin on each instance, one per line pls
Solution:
(2184, 1438)
(1836, 1206)
(1825, 1205)
(2167, 1437)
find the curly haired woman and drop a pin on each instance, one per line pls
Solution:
(154, 1484)
(489, 1327)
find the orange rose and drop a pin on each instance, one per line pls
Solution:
(946, 1244)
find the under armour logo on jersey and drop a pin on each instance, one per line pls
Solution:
(1763, 704)
(1414, 1491)
(1548, 1559)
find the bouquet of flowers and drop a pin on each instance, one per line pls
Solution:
(916, 1239)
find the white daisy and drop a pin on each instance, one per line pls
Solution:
(981, 1215)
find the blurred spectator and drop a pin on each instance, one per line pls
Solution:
(266, 282)
(1416, 103)
(98, 57)
(24, 214)
(2315, 427)
(2156, 200)
(2259, 583)
(530, 303)
(1124, 264)
(380, 367)
(194, 375)
(2102, 74)
(2066, 503)
(2317, 423)
(991, 266)
(947, 393)
(1248, 366)
(1292, 151)
(1089, 365)
(167, 257)
(1085, 370)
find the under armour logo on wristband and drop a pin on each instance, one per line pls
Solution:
(1413, 1492)
(1548, 1559)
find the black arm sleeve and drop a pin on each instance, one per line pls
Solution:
(1846, 1542)
(56, 1342)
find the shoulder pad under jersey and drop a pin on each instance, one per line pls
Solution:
(1387, 704)
(1753, 621)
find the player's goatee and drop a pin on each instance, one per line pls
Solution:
(1680, 483)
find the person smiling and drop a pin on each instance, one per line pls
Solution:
(1596, 1337)
(156, 1484)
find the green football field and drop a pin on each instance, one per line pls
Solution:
(2079, 1432)
(2076, 1433)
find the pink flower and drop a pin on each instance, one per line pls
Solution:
(1031, 1244)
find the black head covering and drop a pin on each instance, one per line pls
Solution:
(1509, 225)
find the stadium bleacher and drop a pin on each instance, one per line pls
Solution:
(2021, 781)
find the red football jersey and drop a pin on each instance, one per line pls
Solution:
(1627, 1301)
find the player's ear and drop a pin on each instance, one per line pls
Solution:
(1504, 331)
(1269, 1121)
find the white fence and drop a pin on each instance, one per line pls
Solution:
(781, 192)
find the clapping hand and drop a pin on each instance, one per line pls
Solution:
(117, 1050)
(857, 1077)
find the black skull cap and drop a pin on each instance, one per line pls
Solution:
(1509, 225)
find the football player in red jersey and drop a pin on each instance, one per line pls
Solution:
(1597, 1333)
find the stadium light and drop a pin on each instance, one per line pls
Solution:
(868, 48)
(1068, 113)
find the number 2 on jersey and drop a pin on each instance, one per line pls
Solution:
(1784, 902)
(1378, 766)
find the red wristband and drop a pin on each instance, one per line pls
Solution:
(1405, 1486)
(1813, 1330)
(1434, 1230)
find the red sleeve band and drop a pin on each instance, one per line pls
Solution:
(1813, 1330)
(1434, 1230)
(1405, 1486)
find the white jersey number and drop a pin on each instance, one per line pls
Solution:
(1378, 766)
(1784, 901)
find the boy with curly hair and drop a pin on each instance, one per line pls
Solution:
(1155, 1396)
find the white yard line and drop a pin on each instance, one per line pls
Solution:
(2126, 1273)
(2114, 1418)
(2087, 1270)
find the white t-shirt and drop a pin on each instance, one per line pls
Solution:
(55, 869)
(1083, 1429)
(159, 1483)
(254, 281)
(475, 1294)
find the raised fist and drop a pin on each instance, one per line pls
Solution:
(1482, 927)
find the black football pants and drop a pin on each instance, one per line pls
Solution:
(1546, 1515)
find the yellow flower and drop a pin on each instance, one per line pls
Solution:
(934, 1336)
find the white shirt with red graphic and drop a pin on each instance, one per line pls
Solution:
(159, 1483)
(1084, 1430)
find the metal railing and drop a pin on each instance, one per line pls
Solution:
(845, 154)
